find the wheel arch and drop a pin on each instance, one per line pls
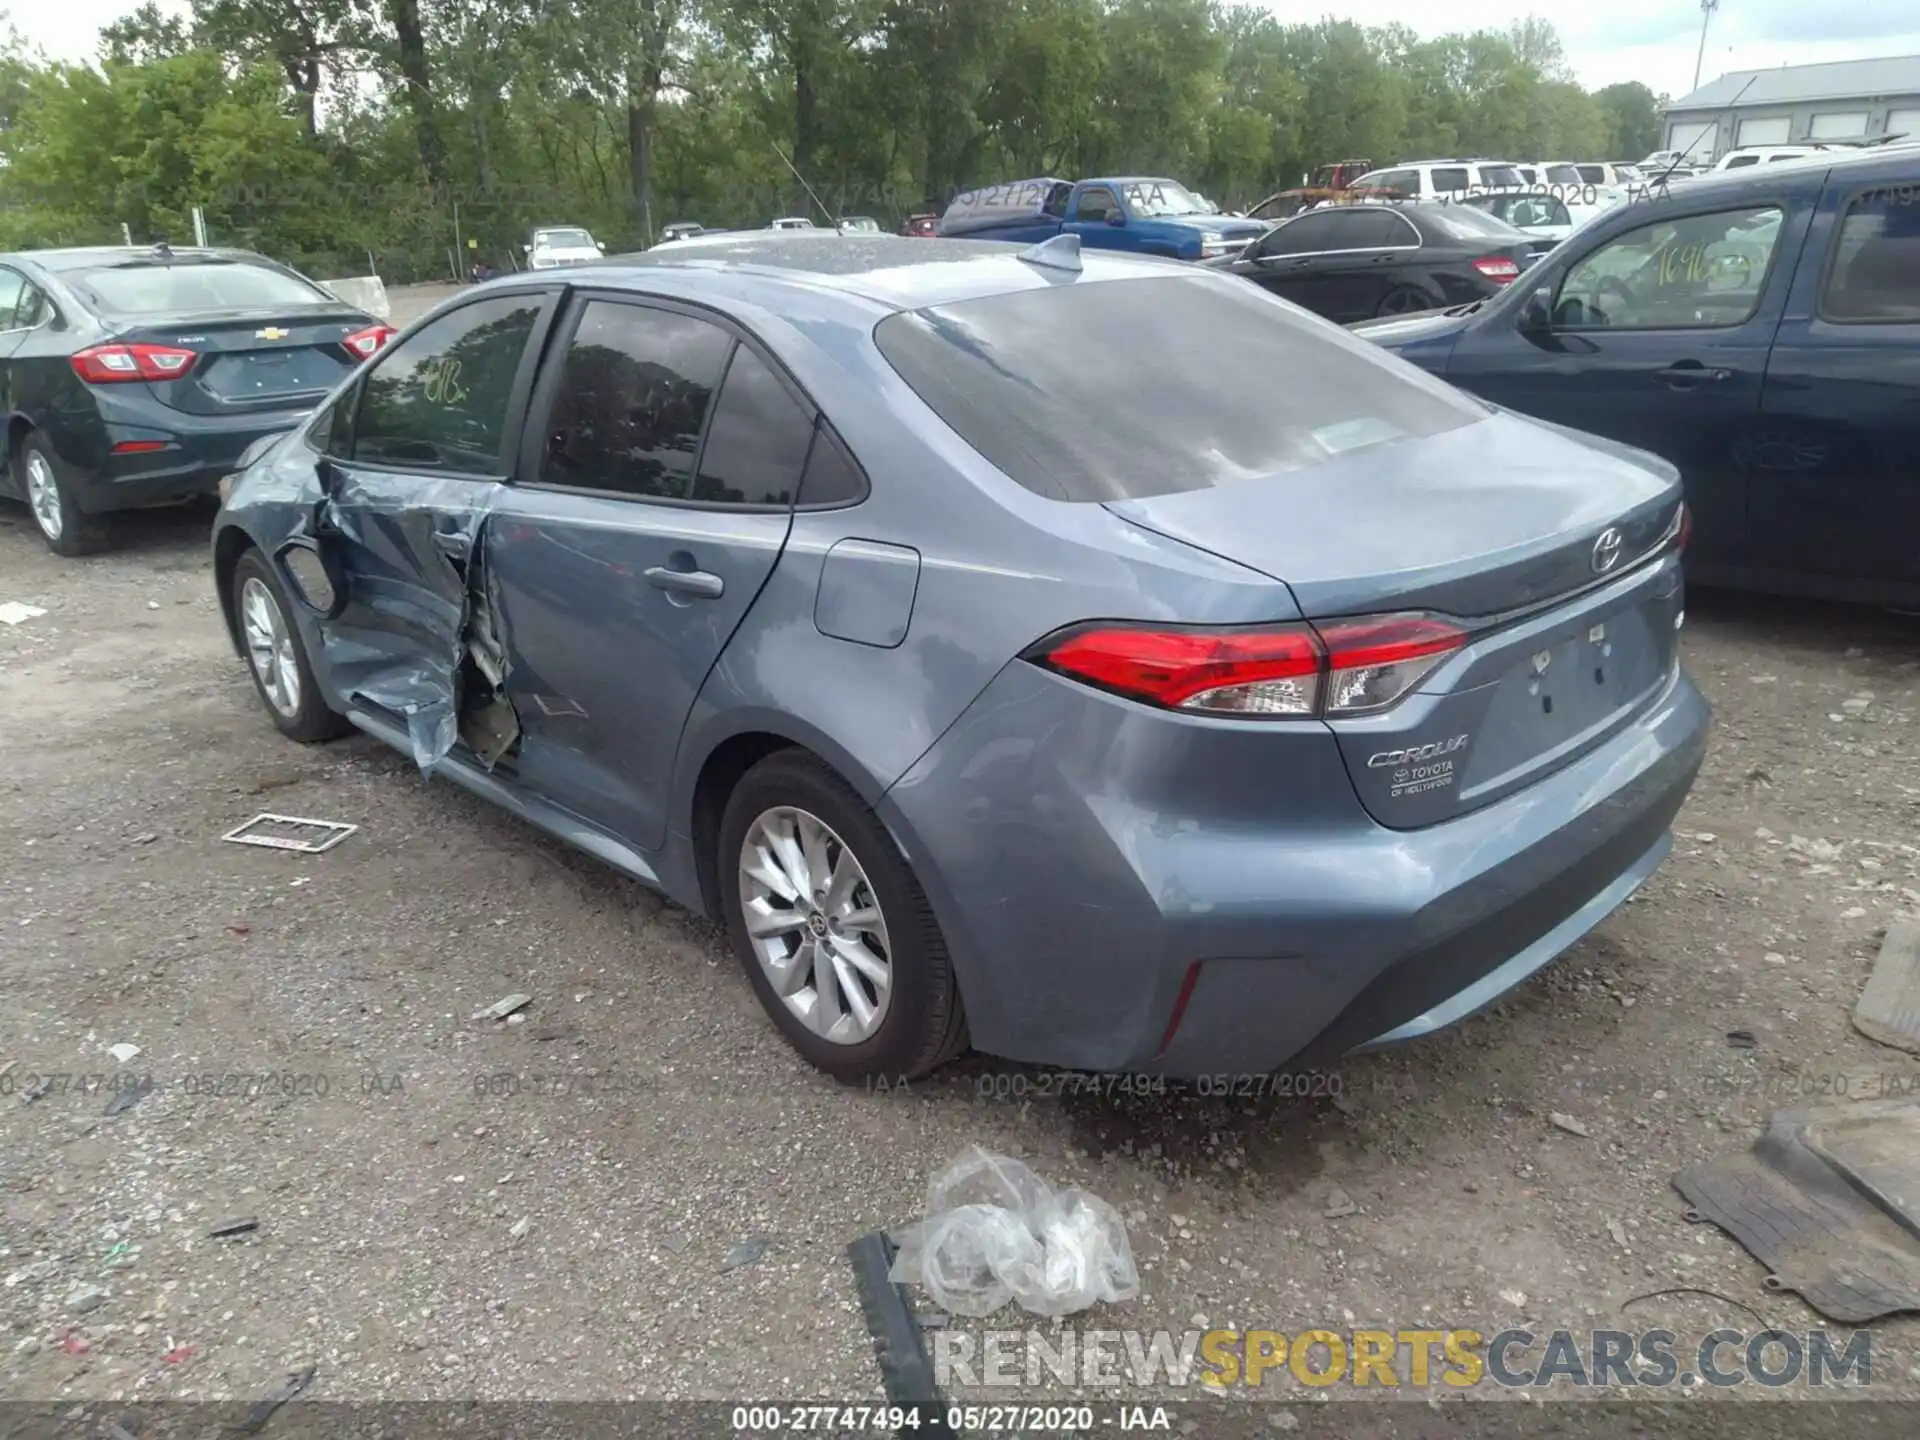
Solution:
(230, 542)
(19, 426)
(725, 756)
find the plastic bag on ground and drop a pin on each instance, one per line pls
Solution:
(994, 1231)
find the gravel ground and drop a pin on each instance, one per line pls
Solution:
(662, 1208)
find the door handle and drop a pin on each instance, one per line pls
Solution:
(1691, 372)
(686, 582)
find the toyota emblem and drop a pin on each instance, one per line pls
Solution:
(1606, 551)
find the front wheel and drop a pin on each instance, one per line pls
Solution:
(277, 657)
(836, 936)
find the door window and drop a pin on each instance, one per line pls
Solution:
(1375, 230)
(1097, 203)
(758, 445)
(12, 286)
(632, 401)
(1874, 277)
(1450, 179)
(1309, 234)
(1692, 272)
(439, 400)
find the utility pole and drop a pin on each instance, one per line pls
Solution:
(1707, 7)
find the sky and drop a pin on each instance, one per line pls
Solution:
(1653, 41)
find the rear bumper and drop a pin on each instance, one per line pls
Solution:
(1083, 869)
(200, 450)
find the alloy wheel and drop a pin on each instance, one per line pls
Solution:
(815, 925)
(43, 495)
(270, 647)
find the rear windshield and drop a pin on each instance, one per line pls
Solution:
(194, 286)
(1464, 222)
(1118, 390)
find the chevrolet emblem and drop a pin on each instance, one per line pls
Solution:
(272, 332)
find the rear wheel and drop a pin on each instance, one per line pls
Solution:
(277, 657)
(834, 931)
(63, 525)
(1402, 300)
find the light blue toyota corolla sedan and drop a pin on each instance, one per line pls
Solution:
(1089, 659)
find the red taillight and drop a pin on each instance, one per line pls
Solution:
(111, 364)
(1267, 671)
(1497, 268)
(139, 447)
(1333, 669)
(368, 341)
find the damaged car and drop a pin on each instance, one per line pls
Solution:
(1146, 716)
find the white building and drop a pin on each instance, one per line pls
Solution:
(1797, 104)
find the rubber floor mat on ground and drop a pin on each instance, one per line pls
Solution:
(1829, 1201)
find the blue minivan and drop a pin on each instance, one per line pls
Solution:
(1760, 328)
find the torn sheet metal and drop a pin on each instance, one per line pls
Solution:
(1889, 1007)
(407, 643)
(1829, 1200)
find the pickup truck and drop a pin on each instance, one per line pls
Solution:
(1757, 328)
(1143, 214)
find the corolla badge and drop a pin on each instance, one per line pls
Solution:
(1414, 754)
(1606, 550)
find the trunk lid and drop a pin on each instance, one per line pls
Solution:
(247, 360)
(1551, 551)
(1492, 517)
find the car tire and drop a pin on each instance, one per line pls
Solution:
(275, 653)
(67, 529)
(1402, 300)
(921, 1024)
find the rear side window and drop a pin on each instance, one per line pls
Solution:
(1305, 235)
(758, 445)
(833, 477)
(439, 399)
(146, 287)
(1875, 275)
(632, 401)
(1161, 412)
(1593, 174)
(1449, 178)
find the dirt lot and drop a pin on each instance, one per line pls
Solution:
(419, 1237)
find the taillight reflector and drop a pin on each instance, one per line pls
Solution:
(1298, 671)
(113, 364)
(1686, 526)
(367, 342)
(1496, 267)
(139, 447)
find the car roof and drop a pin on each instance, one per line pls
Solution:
(892, 270)
(1840, 162)
(82, 257)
